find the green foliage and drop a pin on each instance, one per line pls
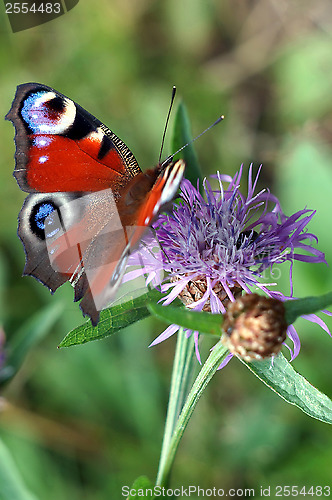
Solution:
(112, 320)
(307, 305)
(11, 484)
(140, 485)
(281, 377)
(27, 338)
(193, 320)
(182, 135)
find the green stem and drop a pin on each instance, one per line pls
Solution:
(208, 370)
(182, 369)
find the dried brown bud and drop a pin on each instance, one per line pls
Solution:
(255, 327)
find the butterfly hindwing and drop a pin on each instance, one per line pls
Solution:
(74, 237)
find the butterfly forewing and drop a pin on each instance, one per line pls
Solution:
(62, 147)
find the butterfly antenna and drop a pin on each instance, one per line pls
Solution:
(166, 123)
(193, 140)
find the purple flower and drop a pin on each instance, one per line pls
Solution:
(216, 246)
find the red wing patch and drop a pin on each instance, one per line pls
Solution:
(56, 163)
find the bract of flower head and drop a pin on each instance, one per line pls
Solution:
(216, 246)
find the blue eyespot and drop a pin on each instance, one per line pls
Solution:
(43, 211)
(45, 219)
(33, 111)
(47, 113)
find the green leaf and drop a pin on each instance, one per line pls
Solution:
(140, 485)
(112, 320)
(27, 337)
(281, 377)
(193, 320)
(181, 136)
(11, 484)
(307, 305)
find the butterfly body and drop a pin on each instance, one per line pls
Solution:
(89, 203)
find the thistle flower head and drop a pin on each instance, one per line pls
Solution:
(217, 245)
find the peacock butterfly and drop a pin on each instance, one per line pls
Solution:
(89, 203)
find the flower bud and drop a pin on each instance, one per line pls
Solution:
(255, 327)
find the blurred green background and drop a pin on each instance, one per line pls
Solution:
(80, 423)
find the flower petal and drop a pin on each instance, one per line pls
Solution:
(226, 361)
(315, 319)
(165, 335)
(293, 335)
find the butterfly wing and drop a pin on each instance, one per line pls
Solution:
(90, 203)
(62, 147)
